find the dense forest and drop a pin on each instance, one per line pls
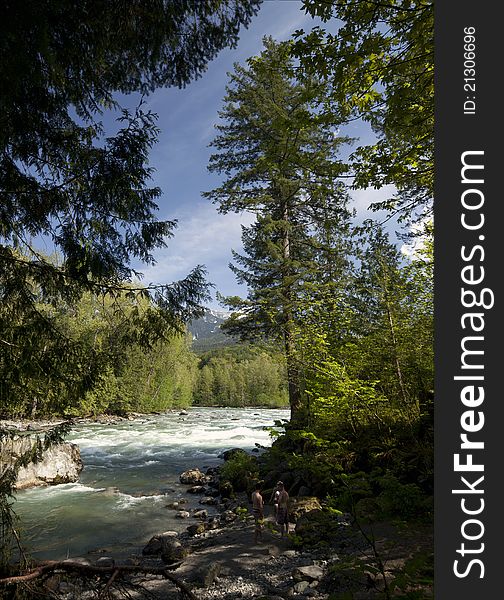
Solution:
(337, 322)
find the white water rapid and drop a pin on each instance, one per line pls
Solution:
(131, 472)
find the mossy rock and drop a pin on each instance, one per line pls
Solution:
(316, 526)
(302, 505)
(196, 529)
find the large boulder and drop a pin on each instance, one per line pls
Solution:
(307, 573)
(301, 505)
(167, 546)
(60, 463)
(316, 526)
(193, 477)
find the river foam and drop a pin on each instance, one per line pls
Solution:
(131, 472)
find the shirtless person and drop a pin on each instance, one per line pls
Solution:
(258, 512)
(283, 510)
(274, 497)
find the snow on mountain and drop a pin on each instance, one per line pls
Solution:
(206, 330)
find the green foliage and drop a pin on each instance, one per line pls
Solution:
(241, 375)
(149, 381)
(125, 374)
(416, 578)
(380, 496)
(380, 68)
(368, 371)
(159, 379)
(406, 501)
(69, 184)
(240, 471)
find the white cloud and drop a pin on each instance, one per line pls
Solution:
(287, 28)
(417, 243)
(203, 237)
(362, 199)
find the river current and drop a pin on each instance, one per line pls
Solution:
(131, 472)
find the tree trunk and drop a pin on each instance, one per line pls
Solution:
(298, 416)
(396, 355)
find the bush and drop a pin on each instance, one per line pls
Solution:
(240, 471)
(382, 496)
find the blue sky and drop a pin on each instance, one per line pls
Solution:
(180, 158)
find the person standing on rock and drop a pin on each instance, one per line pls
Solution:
(258, 512)
(283, 510)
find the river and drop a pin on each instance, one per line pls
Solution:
(131, 472)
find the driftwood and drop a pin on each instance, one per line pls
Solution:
(48, 567)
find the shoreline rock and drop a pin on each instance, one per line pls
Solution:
(61, 463)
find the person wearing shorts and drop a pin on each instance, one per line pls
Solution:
(258, 512)
(282, 518)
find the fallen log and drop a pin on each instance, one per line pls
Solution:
(48, 567)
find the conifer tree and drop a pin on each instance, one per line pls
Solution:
(66, 183)
(279, 159)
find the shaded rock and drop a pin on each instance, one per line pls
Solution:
(173, 554)
(228, 516)
(213, 523)
(200, 514)
(167, 546)
(304, 491)
(300, 587)
(210, 500)
(309, 573)
(105, 561)
(196, 529)
(159, 543)
(207, 575)
(317, 525)
(196, 489)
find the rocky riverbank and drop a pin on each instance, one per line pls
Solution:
(226, 564)
(216, 557)
(326, 554)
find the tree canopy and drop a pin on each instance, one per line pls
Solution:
(66, 181)
(280, 161)
(380, 68)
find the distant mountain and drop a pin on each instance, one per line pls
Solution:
(206, 332)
